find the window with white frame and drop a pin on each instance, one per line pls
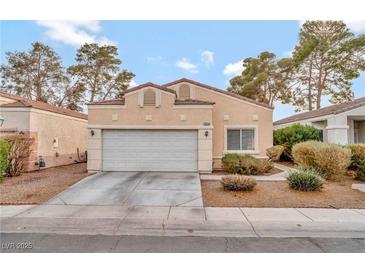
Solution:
(241, 139)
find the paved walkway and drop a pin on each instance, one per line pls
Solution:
(184, 221)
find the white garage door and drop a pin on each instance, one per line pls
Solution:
(150, 150)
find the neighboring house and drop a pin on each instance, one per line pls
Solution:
(340, 124)
(179, 126)
(59, 134)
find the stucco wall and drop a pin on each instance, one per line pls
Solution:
(238, 113)
(15, 118)
(70, 132)
(131, 115)
(166, 116)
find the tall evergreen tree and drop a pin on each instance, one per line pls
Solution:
(38, 74)
(263, 79)
(327, 58)
(98, 70)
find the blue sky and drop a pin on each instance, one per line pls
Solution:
(163, 51)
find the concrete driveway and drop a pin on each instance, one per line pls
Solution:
(134, 189)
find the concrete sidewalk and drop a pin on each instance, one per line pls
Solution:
(184, 221)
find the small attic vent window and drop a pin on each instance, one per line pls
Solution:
(184, 92)
(149, 98)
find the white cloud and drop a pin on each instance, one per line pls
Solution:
(185, 64)
(74, 33)
(233, 69)
(207, 57)
(357, 26)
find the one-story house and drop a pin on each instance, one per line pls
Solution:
(59, 134)
(340, 124)
(180, 126)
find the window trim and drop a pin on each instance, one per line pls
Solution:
(256, 141)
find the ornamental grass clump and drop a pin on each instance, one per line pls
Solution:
(307, 180)
(238, 183)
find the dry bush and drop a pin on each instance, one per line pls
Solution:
(20, 150)
(238, 183)
(274, 152)
(304, 153)
(329, 160)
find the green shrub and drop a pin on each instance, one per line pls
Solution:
(231, 162)
(238, 183)
(294, 134)
(4, 157)
(274, 153)
(305, 181)
(329, 160)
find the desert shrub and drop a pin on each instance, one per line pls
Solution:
(19, 152)
(360, 171)
(231, 162)
(275, 152)
(329, 160)
(238, 183)
(307, 180)
(304, 153)
(357, 156)
(292, 135)
(4, 157)
(249, 165)
(246, 164)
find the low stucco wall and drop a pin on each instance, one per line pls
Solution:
(58, 137)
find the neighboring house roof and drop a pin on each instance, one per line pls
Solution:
(193, 102)
(23, 102)
(334, 109)
(218, 90)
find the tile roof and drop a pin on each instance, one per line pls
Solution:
(23, 102)
(334, 109)
(149, 84)
(120, 101)
(192, 102)
(218, 90)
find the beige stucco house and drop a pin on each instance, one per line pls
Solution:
(59, 134)
(180, 126)
(340, 124)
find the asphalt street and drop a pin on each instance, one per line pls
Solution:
(19, 242)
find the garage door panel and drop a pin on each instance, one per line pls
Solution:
(150, 150)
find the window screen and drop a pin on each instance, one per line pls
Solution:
(241, 139)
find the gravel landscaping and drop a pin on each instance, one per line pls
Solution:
(39, 186)
(278, 194)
